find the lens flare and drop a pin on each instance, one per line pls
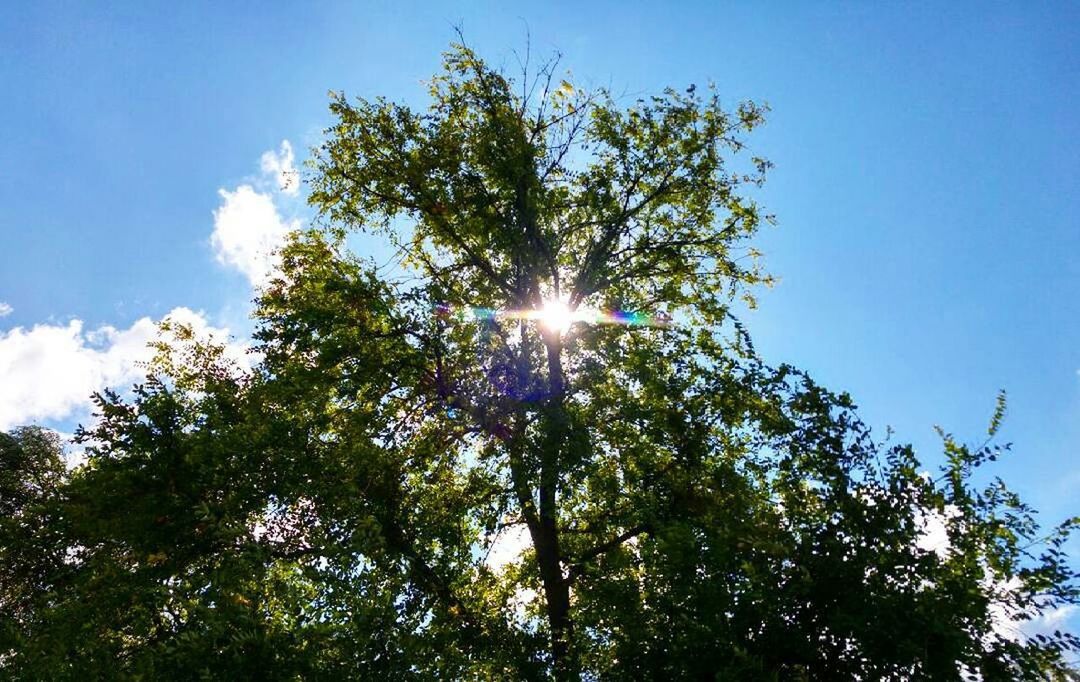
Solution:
(556, 316)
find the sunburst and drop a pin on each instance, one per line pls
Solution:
(556, 316)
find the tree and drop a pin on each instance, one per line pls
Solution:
(31, 471)
(688, 511)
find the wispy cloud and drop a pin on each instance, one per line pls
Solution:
(279, 166)
(5, 309)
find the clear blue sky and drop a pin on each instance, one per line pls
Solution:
(926, 183)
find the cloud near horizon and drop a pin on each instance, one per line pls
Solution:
(50, 371)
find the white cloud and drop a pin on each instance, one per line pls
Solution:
(48, 372)
(1056, 618)
(248, 228)
(280, 168)
(248, 231)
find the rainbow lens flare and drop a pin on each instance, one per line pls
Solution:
(555, 316)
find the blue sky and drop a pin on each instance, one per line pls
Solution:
(927, 166)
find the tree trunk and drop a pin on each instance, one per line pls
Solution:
(548, 554)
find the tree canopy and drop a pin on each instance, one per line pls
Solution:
(424, 475)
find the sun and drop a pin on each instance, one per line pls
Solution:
(556, 316)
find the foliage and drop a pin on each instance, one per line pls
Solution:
(31, 472)
(690, 512)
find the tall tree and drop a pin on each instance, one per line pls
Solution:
(551, 356)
